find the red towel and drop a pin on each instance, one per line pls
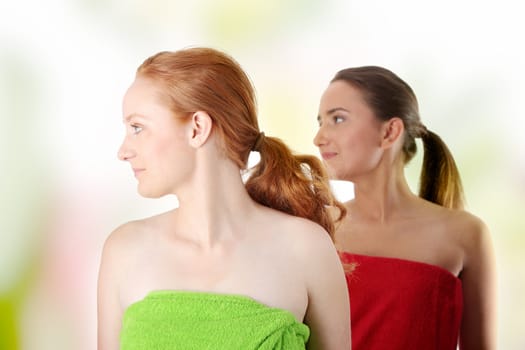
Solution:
(401, 304)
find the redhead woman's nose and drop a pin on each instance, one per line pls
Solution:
(124, 153)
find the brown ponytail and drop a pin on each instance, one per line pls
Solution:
(205, 79)
(389, 96)
(440, 181)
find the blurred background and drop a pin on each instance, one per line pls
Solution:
(65, 65)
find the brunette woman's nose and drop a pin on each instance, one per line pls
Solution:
(319, 138)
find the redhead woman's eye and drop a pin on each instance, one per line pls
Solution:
(136, 129)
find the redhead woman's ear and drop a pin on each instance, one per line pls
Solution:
(201, 125)
(393, 130)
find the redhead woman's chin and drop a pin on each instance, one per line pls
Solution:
(147, 192)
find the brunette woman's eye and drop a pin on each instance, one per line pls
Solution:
(338, 119)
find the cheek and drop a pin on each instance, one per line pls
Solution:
(361, 151)
(162, 147)
(174, 157)
(363, 139)
(355, 143)
(165, 156)
(167, 144)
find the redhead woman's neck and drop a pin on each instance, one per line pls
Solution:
(214, 205)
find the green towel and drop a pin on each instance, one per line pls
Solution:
(199, 320)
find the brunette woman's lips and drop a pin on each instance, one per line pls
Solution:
(328, 155)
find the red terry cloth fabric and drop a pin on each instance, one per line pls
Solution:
(402, 304)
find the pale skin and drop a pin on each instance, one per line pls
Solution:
(387, 219)
(218, 239)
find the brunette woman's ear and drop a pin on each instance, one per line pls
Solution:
(393, 130)
(200, 128)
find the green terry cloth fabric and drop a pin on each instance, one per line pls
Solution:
(198, 321)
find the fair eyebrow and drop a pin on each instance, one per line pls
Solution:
(131, 116)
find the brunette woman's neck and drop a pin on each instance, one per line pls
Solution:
(381, 197)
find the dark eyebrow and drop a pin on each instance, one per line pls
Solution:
(336, 109)
(331, 111)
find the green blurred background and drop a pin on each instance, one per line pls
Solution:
(64, 67)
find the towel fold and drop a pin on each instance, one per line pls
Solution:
(199, 320)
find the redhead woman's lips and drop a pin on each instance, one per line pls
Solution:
(136, 172)
(328, 155)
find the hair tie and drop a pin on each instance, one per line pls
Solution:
(423, 130)
(258, 142)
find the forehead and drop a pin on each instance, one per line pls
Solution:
(144, 97)
(143, 88)
(340, 95)
(341, 92)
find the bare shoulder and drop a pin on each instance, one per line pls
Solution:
(306, 234)
(467, 225)
(455, 221)
(295, 235)
(308, 244)
(467, 229)
(125, 235)
(130, 237)
(475, 237)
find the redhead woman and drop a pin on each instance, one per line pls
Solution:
(240, 263)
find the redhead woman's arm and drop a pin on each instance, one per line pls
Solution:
(478, 327)
(328, 312)
(108, 304)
